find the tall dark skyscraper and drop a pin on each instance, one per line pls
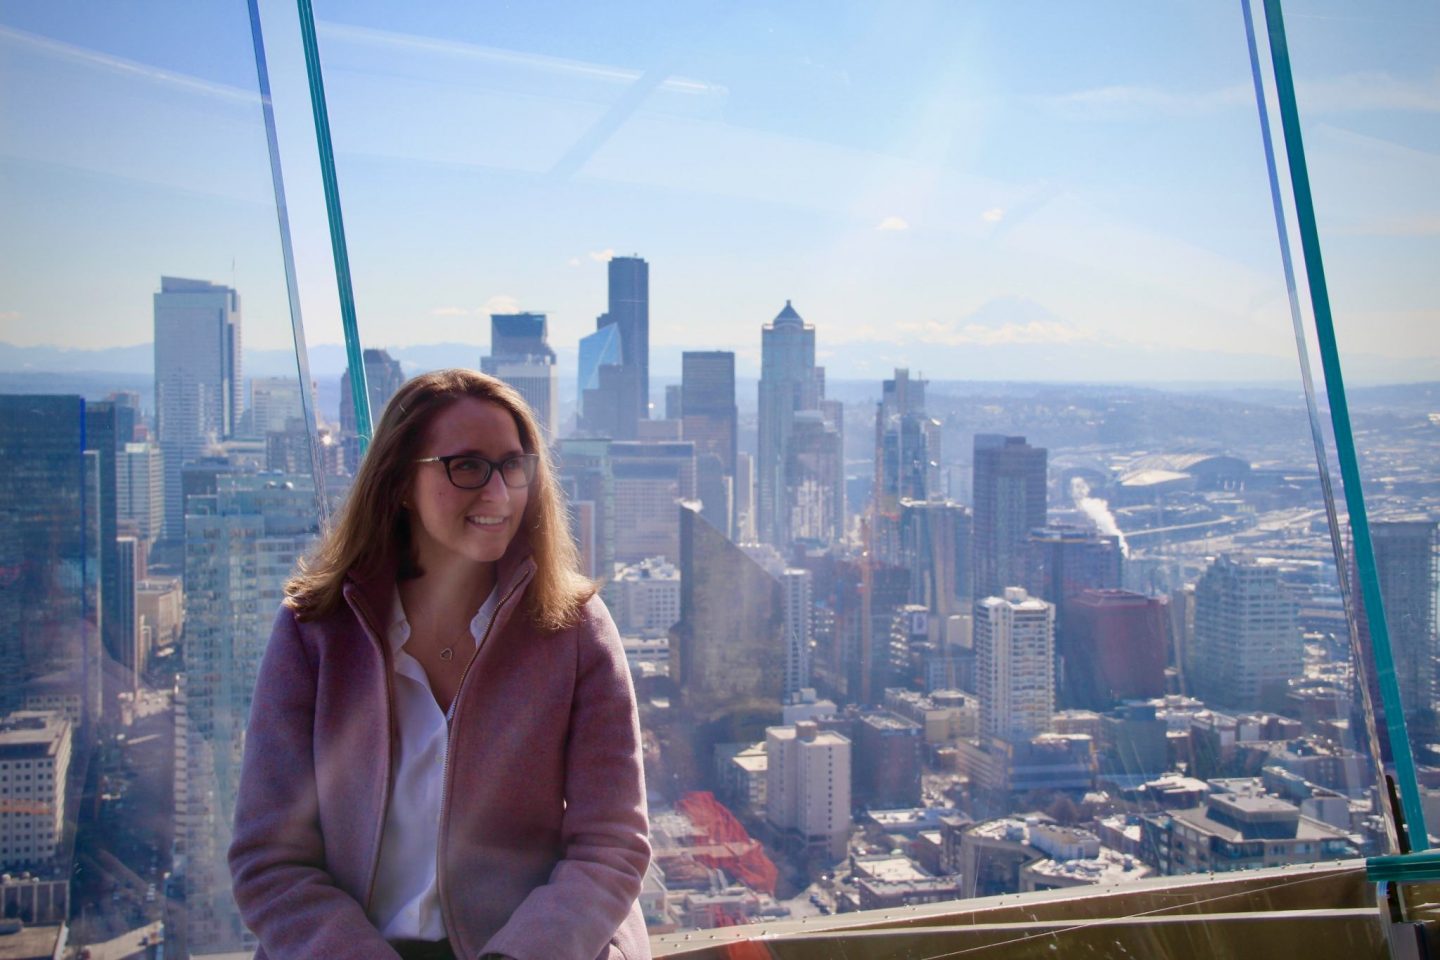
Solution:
(1405, 557)
(102, 436)
(629, 309)
(198, 378)
(710, 421)
(615, 367)
(383, 376)
(49, 545)
(1009, 489)
(789, 384)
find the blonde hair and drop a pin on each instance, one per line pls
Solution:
(371, 534)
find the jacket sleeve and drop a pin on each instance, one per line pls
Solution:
(277, 858)
(605, 830)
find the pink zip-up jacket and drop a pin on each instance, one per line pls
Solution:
(543, 830)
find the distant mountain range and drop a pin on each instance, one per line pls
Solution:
(1272, 378)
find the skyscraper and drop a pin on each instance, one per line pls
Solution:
(1117, 644)
(49, 546)
(807, 789)
(615, 360)
(275, 402)
(798, 587)
(789, 382)
(383, 376)
(241, 544)
(710, 421)
(650, 481)
(814, 480)
(1405, 557)
(935, 548)
(521, 356)
(1247, 642)
(1015, 664)
(585, 474)
(140, 489)
(1009, 489)
(907, 459)
(101, 436)
(198, 378)
(629, 309)
(1064, 562)
(727, 653)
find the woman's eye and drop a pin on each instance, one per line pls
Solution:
(465, 466)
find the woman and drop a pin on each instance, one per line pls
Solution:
(443, 757)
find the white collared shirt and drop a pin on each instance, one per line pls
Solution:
(406, 902)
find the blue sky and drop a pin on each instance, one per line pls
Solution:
(974, 189)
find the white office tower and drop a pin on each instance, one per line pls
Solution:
(1015, 664)
(537, 379)
(807, 786)
(521, 356)
(140, 489)
(197, 379)
(274, 402)
(798, 589)
(241, 544)
(34, 767)
(1248, 645)
(646, 597)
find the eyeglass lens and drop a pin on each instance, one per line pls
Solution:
(471, 473)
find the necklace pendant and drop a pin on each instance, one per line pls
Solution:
(447, 654)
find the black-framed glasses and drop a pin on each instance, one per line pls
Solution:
(469, 472)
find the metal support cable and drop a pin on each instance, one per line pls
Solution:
(287, 252)
(354, 355)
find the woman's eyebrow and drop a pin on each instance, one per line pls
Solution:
(477, 452)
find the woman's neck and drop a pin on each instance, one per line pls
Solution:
(451, 590)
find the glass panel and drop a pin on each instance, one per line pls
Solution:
(154, 471)
(922, 385)
(997, 560)
(1363, 78)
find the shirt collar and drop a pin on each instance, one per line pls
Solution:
(398, 629)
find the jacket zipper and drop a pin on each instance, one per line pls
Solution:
(445, 767)
(389, 759)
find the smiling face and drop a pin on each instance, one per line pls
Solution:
(454, 526)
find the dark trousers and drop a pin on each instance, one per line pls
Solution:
(423, 949)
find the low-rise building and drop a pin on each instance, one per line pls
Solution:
(1234, 831)
(34, 765)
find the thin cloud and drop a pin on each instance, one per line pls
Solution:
(451, 312)
(892, 224)
(574, 261)
(1007, 321)
(1356, 92)
(993, 215)
(8, 315)
(1125, 99)
(602, 256)
(1347, 93)
(500, 303)
(130, 68)
(508, 58)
